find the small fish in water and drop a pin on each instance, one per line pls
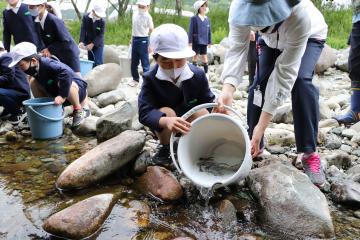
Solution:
(207, 164)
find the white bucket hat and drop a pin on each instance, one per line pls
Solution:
(34, 2)
(198, 4)
(143, 2)
(99, 9)
(260, 13)
(21, 51)
(170, 41)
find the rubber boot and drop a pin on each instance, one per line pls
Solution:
(353, 115)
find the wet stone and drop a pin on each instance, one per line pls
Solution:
(337, 130)
(333, 142)
(47, 160)
(11, 136)
(356, 152)
(349, 133)
(346, 148)
(357, 214)
(276, 149)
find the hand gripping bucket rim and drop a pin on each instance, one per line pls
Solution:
(242, 170)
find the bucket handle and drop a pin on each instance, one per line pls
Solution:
(45, 117)
(188, 114)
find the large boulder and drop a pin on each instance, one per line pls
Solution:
(81, 219)
(111, 97)
(102, 160)
(114, 123)
(342, 60)
(161, 183)
(110, 55)
(125, 64)
(103, 78)
(88, 127)
(290, 203)
(327, 59)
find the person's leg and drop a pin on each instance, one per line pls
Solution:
(37, 90)
(135, 59)
(74, 99)
(354, 73)
(10, 100)
(195, 57)
(252, 56)
(267, 60)
(145, 62)
(204, 58)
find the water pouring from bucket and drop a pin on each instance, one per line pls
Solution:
(216, 152)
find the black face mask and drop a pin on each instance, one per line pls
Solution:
(31, 71)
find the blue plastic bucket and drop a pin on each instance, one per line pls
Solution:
(45, 118)
(85, 66)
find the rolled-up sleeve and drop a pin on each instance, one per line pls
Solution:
(236, 56)
(283, 77)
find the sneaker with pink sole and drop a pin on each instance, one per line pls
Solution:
(313, 169)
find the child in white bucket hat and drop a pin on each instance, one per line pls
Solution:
(142, 26)
(293, 34)
(171, 88)
(200, 33)
(92, 33)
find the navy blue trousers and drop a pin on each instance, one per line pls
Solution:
(12, 100)
(354, 56)
(304, 95)
(139, 52)
(96, 55)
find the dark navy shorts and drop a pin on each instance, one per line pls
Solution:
(199, 49)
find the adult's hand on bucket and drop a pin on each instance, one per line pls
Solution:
(59, 100)
(175, 124)
(46, 53)
(225, 98)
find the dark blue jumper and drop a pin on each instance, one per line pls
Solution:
(199, 31)
(156, 94)
(21, 27)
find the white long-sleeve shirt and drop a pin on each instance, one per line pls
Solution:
(304, 22)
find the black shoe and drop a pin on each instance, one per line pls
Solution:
(78, 117)
(15, 119)
(162, 156)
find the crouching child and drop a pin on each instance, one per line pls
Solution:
(171, 88)
(51, 78)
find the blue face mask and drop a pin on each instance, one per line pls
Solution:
(34, 12)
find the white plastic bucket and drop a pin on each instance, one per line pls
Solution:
(216, 152)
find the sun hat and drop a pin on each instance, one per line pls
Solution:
(260, 13)
(143, 2)
(170, 41)
(198, 4)
(21, 51)
(99, 9)
(34, 2)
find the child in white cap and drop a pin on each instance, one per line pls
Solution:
(52, 78)
(14, 89)
(200, 33)
(171, 88)
(142, 25)
(92, 33)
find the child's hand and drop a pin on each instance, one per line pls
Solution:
(252, 36)
(59, 100)
(81, 45)
(46, 53)
(177, 125)
(90, 46)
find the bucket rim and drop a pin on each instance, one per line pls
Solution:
(86, 61)
(30, 102)
(247, 156)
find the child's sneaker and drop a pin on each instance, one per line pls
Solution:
(348, 118)
(15, 119)
(313, 169)
(162, 156)
(78, 117)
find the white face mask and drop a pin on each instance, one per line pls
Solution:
(173, 73)
(34, 11)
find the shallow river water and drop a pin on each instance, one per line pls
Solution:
(29, 169)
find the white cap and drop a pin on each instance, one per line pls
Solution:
(55, 6)
(143, 2)
(21, 51)
(170, 41)
(198, 4)
(2, 45)
(34, 2)
(99, 9)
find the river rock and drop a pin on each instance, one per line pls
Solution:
(325, 112)
(11, 136)
(111, 97)
(102, 160)
(81, 219)
(327, 59)
(161, 183)
(103, 78)
(227, 213)
(342, 60)
(88, 127)
(114, 123)
(125, 64)
(183, 238)
(340, 159)
(349, 133)
(332, 141)
(280, 137)
(5, 127)
(354, 173)
(105, 110)
(142, 162)
(356, 138)
(347, 192)
(140, 212)
(93, 107)
(283, 114)
(332, 123)
(290, 203)
(356, 127)
(334, 174)
(110, 55)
